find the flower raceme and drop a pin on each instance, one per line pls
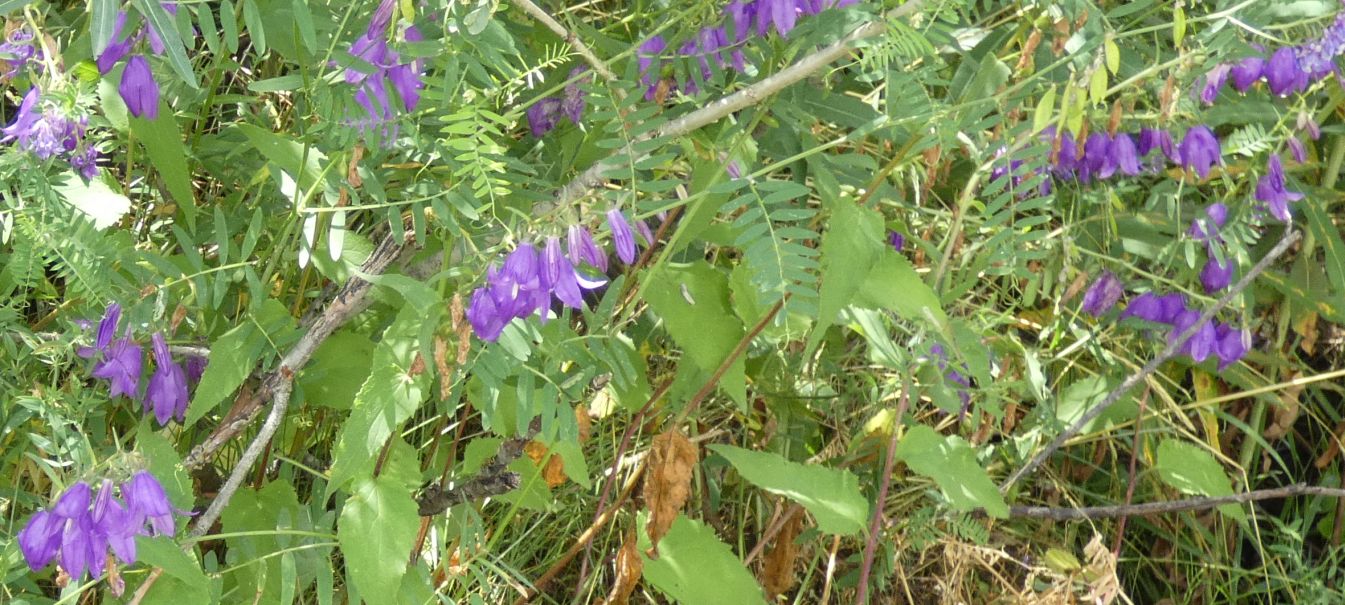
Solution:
(138, 87)
(80, 527)
(48, 129)
(529, 280)
(119, 361)
(1288, 70)
(1223, 341)
(406, 78)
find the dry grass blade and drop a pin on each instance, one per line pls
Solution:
(628, 568)
(777, 570)
(667, 483)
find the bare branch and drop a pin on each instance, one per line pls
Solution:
(598, 65)
(1176, 506)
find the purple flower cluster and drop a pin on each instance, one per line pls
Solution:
(721, 44)
(953, 376)
(1205, 229)
(1221, 340)
(1288, 70)
(529, 279)
(120, 361)
(81, 535)
(1103, 156)
(371, 88)
(47, 130)
(138, 88)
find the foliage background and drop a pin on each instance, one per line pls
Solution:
(772, 326)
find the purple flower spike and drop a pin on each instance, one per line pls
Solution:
(1215, 277)
(146, 500)
(1247, 72)
(121, 366)
(167, 391)
(1102, 295)
(40, 539)
(622, 238)
(1200, 150)
(582, 249)
(1214, 82)
(1156, 308)
(1124, 155)
(139, 90)
(1202, 343)
(1270, 190)
(1283, 73)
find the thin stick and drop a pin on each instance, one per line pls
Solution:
(280, 403)
(578, 45)
(1168, 352)
(742, 99)
(1175, 506)
(1131, 474)
(876, 522)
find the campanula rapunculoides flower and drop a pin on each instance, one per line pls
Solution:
(1297, 150)
(485, 316)
(1201, 344)
(1153, 138)
(1216, 276)
(1097, 160)
(582, 249)
(195, 367)
(82, 548)
(1067, 157)
(107, 330)
(896, 240)
(1207, 226)
(782, 14)
(1214, 82)
(1157, 308)
(1199, 150)
(1124, 155)
(1283, 73)
(406, 78)
(115, 523)
(40, 539)
(1247, 72)
(146, 500)
(646, 234)
(650, 64)
(1102, 295)
(139, 89)
(622, 237)
(1230, 344)
(120, 366)
(117, 47)
(558, 275)
(542, 116)
(167, 391)
(572, 101)
(1270, 190)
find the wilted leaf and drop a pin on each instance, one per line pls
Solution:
(667, 482)
(777, 569)
(628, 567)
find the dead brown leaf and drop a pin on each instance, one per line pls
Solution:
(667, 483)
(553, 470)
(442, 366)
(628, 568)
(777, 569)
(1286, 414)
(585, 423)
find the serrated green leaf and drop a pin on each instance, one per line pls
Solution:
(831, 495)
(951, 463)
(376, 532)
(694, 568)
(235, 354)
(1193, 470)
(853, 241)
(893, 284)
(694, 306)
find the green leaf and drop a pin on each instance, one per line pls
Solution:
(95, 199)
(162, 23)
(259, 513)
(1193, 470)
(377, 532)
(388, 397)
(102, 22)
(894, 285)
(1327, 235)
(854, 239)
(190, 584)
(694, 568)
(693, 301)
(831, 495)
(163, 143)
(1086, 393)
(951, 463)
(235, 354)
(338, 368)
(8, 6)
(287, 154)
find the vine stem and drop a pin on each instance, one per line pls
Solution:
(578, 45)
(1170, 351)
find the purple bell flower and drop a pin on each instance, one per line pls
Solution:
(82, 548)
(896, 240)
(195, 367)
(139, 89)
(1199, 150)
(1247, 72)
(1124, 155)
(1270, 190)
(40, 539)
(622, 238)
(485, 316)
(1102, 295)
(542, 116)
(167, 391)
(1151, 139)
(1162, 309)
(1283, 73)
(1203, 228)
(572, 101)
(107, 330)
(1230, 345)
(116, 48)
(1097, 158)
(1297, 150)
(1214, 82)
(115, 524)
(1201, 344)
(582, 249)
(559, 275)
(1067, 159)
(121, 367)
(650, 64)
(146, 500)
(1215, 276)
